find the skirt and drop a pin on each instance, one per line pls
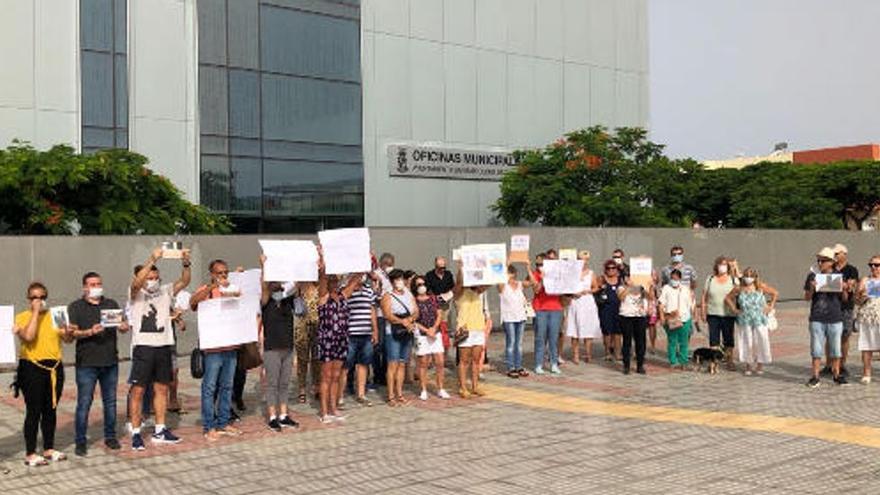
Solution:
(427, 347)
(869, 337)
(582, 319)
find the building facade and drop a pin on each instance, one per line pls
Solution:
(298, 115)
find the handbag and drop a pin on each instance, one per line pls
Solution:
(398, 331)
(249, 356)
(675, 322)
(772, 322)
(461, 335)
(197, 363)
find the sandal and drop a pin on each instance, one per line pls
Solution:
(512, 374)
(364, 401)
(35, 461)
(523, 373)
(392, 402)
(403, 401)
(302, 398)
(55, 456)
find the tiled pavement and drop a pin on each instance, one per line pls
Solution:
(688, 433)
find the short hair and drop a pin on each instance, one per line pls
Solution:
(549, 251)
(37, 285)
(676, 248)
(409, 274)
(386, 257)
(216, 262)
(674, 273)
(396, 274)
(90, 275)
(438, 258)
(618, 250)
(511, 269)
(138, 268)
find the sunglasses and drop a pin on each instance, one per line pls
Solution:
(874, 265)
(823, 260)
(610, 268)
(31, 298)
(539, 265)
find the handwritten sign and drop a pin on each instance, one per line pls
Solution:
(562, 276)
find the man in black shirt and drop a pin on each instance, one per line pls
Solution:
(440, 283)
(96, 359)
(850, 281)
(826, 318)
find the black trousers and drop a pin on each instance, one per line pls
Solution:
(633, 329)
(36, 386)
(380, 364)
(238, 384)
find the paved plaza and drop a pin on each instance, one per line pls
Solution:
(593, 430)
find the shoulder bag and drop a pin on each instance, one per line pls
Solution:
(398, 331)
(675, 322)
(197, 363)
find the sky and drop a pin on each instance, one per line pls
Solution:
(734, 77)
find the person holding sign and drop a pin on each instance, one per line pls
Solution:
(152, 344)
(634, 304)
(868, 320)
(582, 314)
(548, 319)
(826, 318)
(97, 360)
(400, 312)
(40, 374)
(470, 334)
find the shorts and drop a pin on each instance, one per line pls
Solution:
(427, 347)
(475, 338)
(151, 364)
(360, 351)
(397, 351)
(849, 323)
(822, 332)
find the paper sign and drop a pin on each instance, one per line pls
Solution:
(7, 338)
(456, 254)
(346, 251)
(181, 301)
(227, 321)
(641, 270)
(290, 261)
(519, 249)
(248, 282)
(829, 282)
(172, 250)
(59, 317)
(873, 288)
(568, 254)
(111, 318)
(484, 264)
(562, 276)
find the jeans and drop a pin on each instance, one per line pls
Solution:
(822, 332)
(219, 375)
(513, 334)
(547, 325)
(86, 379)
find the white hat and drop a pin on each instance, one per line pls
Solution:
(826, 252)
(840, 248)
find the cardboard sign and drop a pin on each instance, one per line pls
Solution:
(568, 254)
(829, 282)
(484, 264)
(519, 249)
(641, 270)
(562, 276)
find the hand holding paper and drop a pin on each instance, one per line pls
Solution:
(289, 261)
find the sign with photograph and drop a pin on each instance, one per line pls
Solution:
(422, 161)
(519, 249)
(829, 282)
(484, 264)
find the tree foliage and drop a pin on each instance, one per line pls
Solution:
(594, 177)
(59, 191)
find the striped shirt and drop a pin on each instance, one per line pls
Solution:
(360, 304)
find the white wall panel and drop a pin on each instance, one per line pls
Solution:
(458, 21)
(491, 17)
(521, 26)
(628, 23)
(16, 123)
(492, 98)
(602, 100)
(17, 53)
(53, 127)
(392, 87)
(56, 54)
(627, 95)
(368, 84)
(521, 100)
(577, 97)
(426, 19)
(461, 94)
(164, 142)
(577, 37)
(157, 43)
(601, 28)
(426, 81)
(549, 93)
(391, 16)
(550, 29)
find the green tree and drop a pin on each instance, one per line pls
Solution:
(59, 191)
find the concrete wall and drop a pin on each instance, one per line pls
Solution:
(489, 74)
(782, 257)
(39, 85)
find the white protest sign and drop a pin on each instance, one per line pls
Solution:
(248, 282)
(829, 282)
(641, 270)
(562, 276)
(7, 339)
(227, 321)
(346, 251)
(484, 264)
(290, 261)
(519, 249)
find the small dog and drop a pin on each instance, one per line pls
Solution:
(708, 355)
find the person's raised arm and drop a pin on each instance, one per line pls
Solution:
(351, 284)
(458, 288)
(140, 278)
(265, 294)
(323, 284)
(185, 273)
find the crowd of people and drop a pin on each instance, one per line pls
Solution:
(360, 332)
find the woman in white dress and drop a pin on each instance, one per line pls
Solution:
(582, 314)
(868, 319)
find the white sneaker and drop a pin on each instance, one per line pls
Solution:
(423, 395)
(539, 370)
(443, 394)
(555, 370)
(866, 380)
(338, 419)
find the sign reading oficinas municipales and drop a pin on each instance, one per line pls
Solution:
(406, 160)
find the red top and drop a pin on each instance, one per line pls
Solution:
(542, 300)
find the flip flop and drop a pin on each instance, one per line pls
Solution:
(302, 398)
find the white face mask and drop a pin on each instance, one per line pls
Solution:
(722, 269)
(96, 292)
(422, 290)
(44, 305)
(748, 280)
(278, 295)
(677, 258)
(388, 269)
(399, 285)
(619, 261)
(675, 283)
(152, 285)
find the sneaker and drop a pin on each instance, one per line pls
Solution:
(555, 370)
(288, 422)
(423, 395)
(81, 450)
(747, 372)
(813, 382)
(443, 394)
(826, 371)
(866, 380)
(137, 442)
(539, 370)
(844, 371)
(165, 436)
(112, 444)
(234, 417)
(841, 380)
(274, 425)
(338, 418)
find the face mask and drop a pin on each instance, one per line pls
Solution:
(96, 292)
(422, 290)
(678, 258)
(399, 285)
(619, 261)
(748, 280)
(675, 283)
(722, 269)
(388, 269)
(278, 295)
(363, 279)
(152, 285)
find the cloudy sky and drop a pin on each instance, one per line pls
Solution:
(734, 77)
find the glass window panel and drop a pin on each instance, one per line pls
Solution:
(244, 103)
(247, 184)
(244, 34)
(97, 138)
(121, 82)
(96, 24)
(282, 176)
(122, 138)
(97, 89)
(295, 203)
(120, 25)
(303, 43)
(213, 145)
(212, 31)
(213, 113)
(297, 109)
(244, 147)
(214, 182)
(312, 152)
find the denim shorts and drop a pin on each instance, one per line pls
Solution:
(397, 351)
(360, 351)
(822, 332)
